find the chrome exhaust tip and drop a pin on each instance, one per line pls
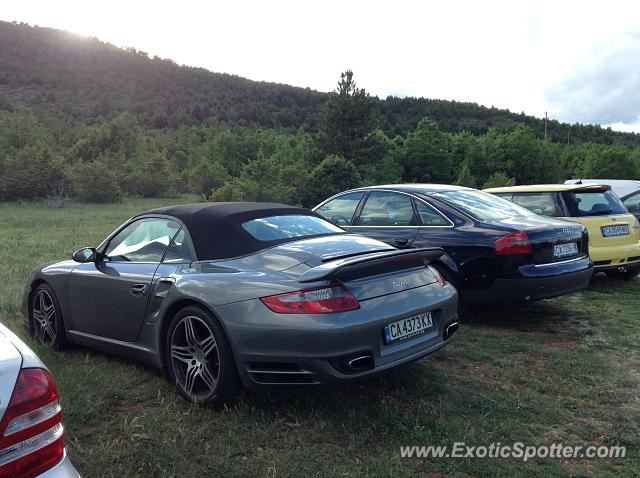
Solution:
(360, 363)
(451, 330)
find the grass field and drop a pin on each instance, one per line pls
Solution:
(565, 370)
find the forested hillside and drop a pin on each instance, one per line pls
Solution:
(68, 76)
(85, 120)
(72, 77)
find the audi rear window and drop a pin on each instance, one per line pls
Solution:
(483, 206)
(292, 226)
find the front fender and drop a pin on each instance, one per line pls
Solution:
(56, 275)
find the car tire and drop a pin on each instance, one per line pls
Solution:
(626, 275)
(198, 358)
(45, 318)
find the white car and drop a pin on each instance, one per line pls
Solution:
(622, 187)
(31, 433)
(628, 190)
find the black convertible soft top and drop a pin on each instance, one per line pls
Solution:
(216, 228)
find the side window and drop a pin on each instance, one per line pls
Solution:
(340, 210)
(145, 240)
(633, 203)
(545, 204)
(387, 209)
(181, 249)
(508, 196)
(429, 216)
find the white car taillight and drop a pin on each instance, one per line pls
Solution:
(31, 434)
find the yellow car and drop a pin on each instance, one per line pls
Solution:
(614, 234)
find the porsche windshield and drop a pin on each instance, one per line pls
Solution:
(292, 226)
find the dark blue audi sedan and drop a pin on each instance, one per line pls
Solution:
(495, 250)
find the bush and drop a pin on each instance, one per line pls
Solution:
(30, 174)
(465, 178)
(95, 182)
(333, 175)
(150, 177)
(497, 180)
(226, 193)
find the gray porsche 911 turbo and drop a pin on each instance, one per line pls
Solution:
(220, 295)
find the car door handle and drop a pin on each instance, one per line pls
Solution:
(401, 242)
(138, 289)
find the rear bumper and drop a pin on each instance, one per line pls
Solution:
(610, 257)
(275, 350)
(620, 267)
(64, 469)
(539, 283)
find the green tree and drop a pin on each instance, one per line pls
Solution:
(497, 180)
(95, 182)
(22, 129)
(205, 176)
(571, 159)
(261, 180)
(465, 178)
(529, 160)
(332, 175)
(610, 162)
(377, 161)
(347, 118)
(150, 176)
(30, 174)
(226, 193)
(426, 156)
(460, 145)
(485, 155)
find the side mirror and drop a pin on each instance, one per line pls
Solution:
(86, 254)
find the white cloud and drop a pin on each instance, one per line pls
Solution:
(500, 53)
(604, 90)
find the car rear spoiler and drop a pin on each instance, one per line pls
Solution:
(590, 187)
(331, 269)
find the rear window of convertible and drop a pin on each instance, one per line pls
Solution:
(292, 226)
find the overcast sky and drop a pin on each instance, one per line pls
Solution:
(580, 61)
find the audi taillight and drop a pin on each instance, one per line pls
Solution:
(320, 300)
(31, 435)
(514, 243)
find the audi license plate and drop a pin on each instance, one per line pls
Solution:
(565, 250)
(613, 231)
(407, 328)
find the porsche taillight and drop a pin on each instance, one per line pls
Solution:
(320, 300)
(439, 277)
(516, 242)
(31, 434)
